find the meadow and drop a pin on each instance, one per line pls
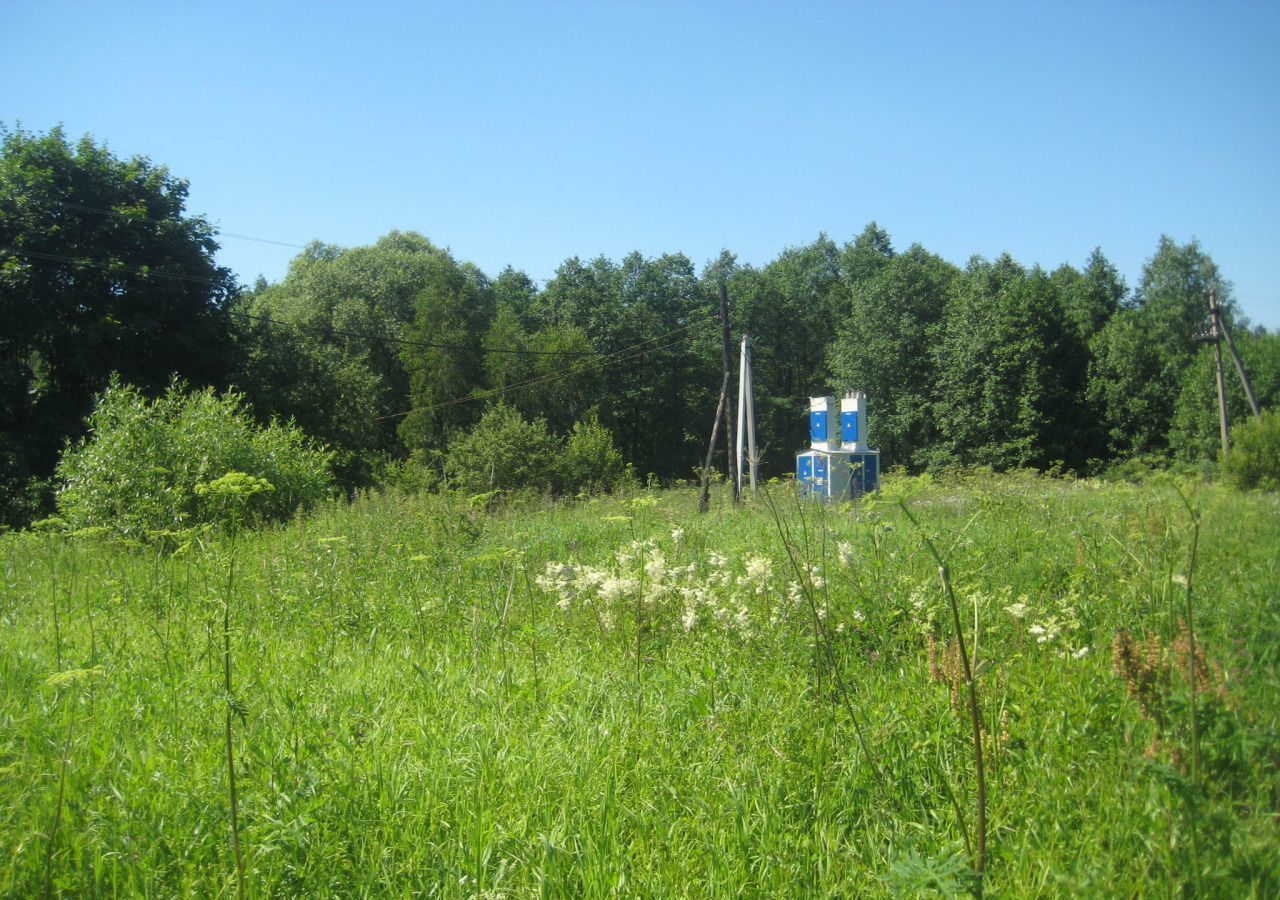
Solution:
(436, 696)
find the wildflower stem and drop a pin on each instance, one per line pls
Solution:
(62, 792)
(823, 641)
(1191, 678)
(231, 759)
(975, 713)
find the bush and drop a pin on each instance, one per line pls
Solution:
(139, 470)
(1254, 460)
(503, 452)
(506, 453)
(590, 461)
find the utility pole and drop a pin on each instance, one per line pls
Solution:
(1225, 332)
(1215, 328)
(746, 416)
(723, 412)
(729, 416)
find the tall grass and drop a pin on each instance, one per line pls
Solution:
(425, 710)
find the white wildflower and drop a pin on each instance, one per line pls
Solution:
(816, 579)
(759, 573)
(1047, 630)
(1017, 610)
(655, 567)
(844, 550)
(614, 588)
(690, 619)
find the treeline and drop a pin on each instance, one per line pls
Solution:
(393, 352)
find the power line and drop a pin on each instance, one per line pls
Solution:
(126, 217)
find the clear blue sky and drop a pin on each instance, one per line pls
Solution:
(526, 133)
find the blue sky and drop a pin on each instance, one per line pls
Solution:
(527, 133)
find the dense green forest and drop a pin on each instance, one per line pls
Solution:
(391, 354)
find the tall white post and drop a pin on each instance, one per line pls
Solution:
(742, 408)
(746, 414)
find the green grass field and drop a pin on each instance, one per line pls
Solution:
(621, 696)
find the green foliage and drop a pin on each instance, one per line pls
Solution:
(1010, 372)
(1254, 460)
(590, 462)
(503, 452)
(506, 452)
(101, 271)
(883, 345)
(150, 466)
(1142, 355)
(1195, 433)
(452, 313)
(321, 346)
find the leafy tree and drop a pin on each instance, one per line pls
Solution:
(1141, 355)
(101, 271)
(1009, 371)
(564, 376)
(1254, 460)
(789, 309)
(503, 364)
(883, 346)
(867, 255)
(452, 312)
(642, 316)
(590, 461)
(1090, 298)
(337, 319)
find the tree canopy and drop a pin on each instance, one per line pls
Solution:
(101, 271)
(399, 349)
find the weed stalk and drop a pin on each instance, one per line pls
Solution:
(823, 640)
(231, 758)
(1191, 681)
(974, 710)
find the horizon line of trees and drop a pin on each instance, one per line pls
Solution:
(392, 352)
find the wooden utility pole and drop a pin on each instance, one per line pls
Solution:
(1225, 332)
(723, 412)
(727, 342)
(704, 503)
(1217, 333)
(1215, 325)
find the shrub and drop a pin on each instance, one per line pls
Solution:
(503, 452)
(139, 470)
(590, 461)
(1254, 460)
(506, 453)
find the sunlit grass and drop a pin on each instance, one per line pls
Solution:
(420, 714)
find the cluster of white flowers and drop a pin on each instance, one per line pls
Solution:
(758, 577)
(711, 593)
(1052, 625)
(844, 550)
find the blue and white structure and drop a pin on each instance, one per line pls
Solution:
(839, 464)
